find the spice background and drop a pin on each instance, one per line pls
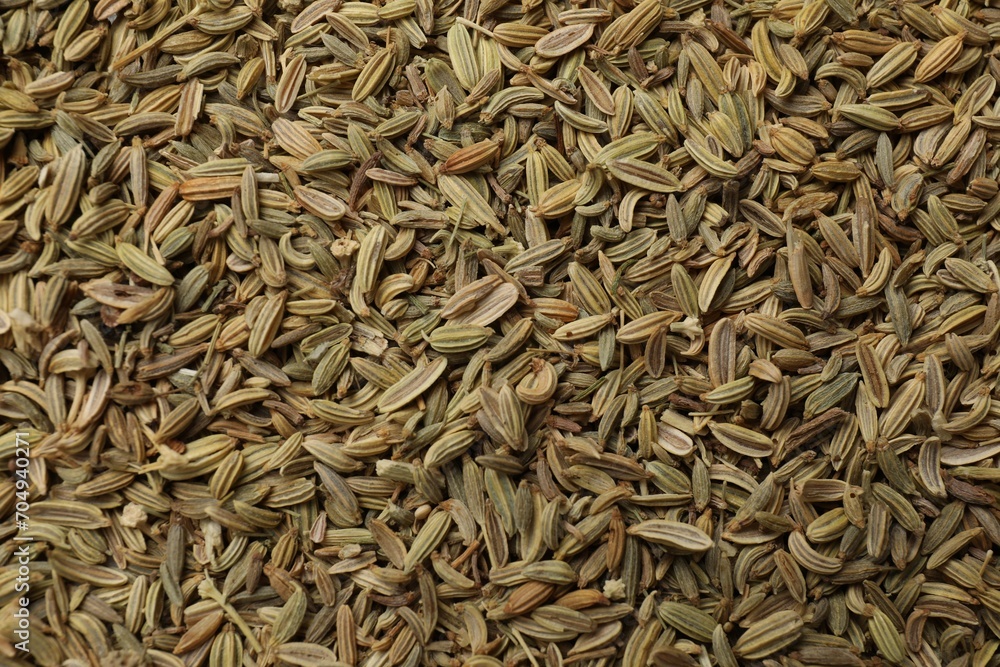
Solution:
(492, 334)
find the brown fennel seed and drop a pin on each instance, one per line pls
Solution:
(500, 333)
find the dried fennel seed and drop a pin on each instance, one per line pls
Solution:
(485, 333)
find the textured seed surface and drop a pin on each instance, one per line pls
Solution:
(498, 333)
